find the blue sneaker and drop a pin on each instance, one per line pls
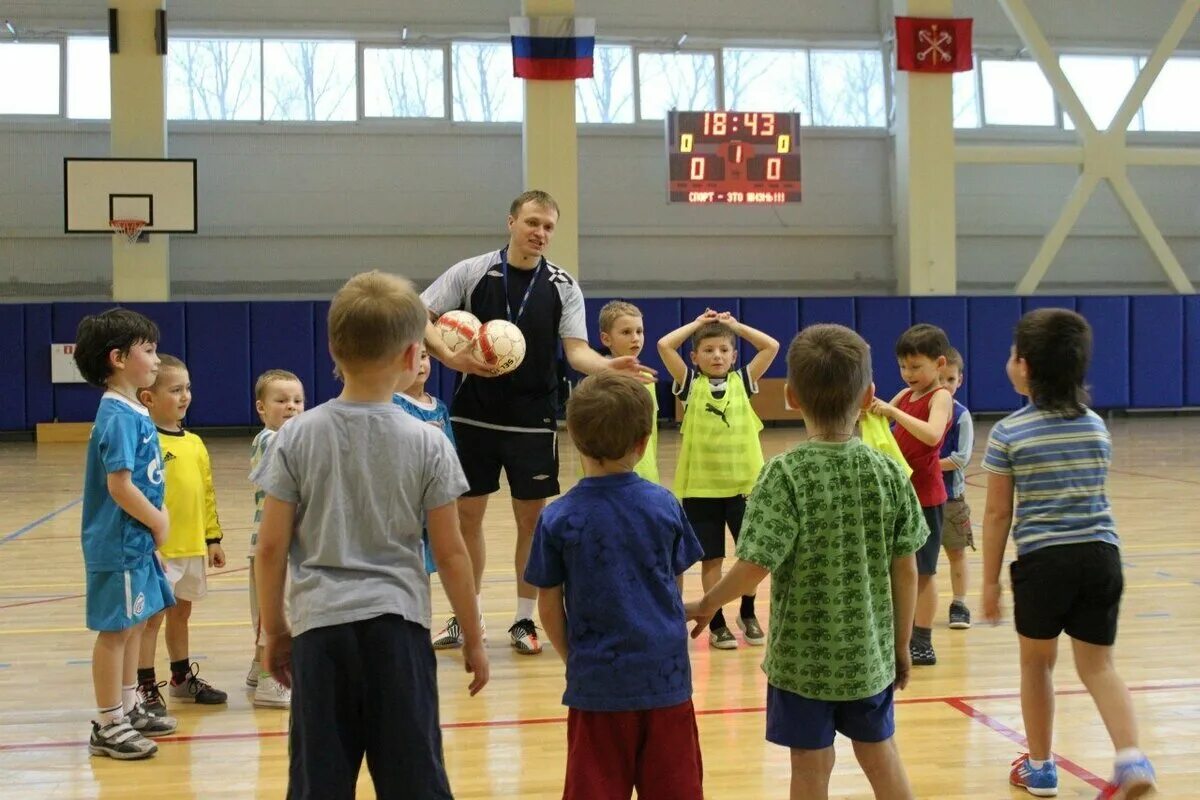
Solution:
(1131, 780)
(1038, 782)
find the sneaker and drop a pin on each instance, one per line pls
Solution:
(524, 637)
(752, 631)
(960, 616)
(195, 689)
(1038, 782)
(450, 636)
(151, 698)
(1130, 781)
(722, 639)
(922, 655)
(148, 725)
(120, 741)
(271, 693)
(252, 675)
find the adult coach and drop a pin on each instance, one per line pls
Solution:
(509, 421)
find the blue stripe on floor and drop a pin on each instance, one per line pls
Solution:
(1154, 615)
(22, 531)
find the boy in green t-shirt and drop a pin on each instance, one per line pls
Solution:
(835, 523)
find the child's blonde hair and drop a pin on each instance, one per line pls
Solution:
(613, 310)
(269, 377)
(829, 370)
(608, 414)
(374, 316)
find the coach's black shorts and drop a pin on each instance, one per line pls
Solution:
(709, 516)
(927, 556)
(1068, 587)
(529, 460)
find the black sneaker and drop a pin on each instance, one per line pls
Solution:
(152, 700)
(752, 631)
(960, 616)
(450, 636)
(922, 655)
(524, 637)
(150, 726)
(197, 690)
(120, 741)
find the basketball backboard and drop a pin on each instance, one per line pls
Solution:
(160, 191)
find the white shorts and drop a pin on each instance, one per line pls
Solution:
(187, 577)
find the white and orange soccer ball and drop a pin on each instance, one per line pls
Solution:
(458, 329)
(501, 345)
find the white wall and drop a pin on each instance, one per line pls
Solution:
(293, 210)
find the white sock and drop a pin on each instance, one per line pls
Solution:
(104, 716)
(524, 608)
(128, 698)
(479, 604)
(1128, 755)
(1033, 762)
(961, 599)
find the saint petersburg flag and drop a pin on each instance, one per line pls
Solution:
(552, 48)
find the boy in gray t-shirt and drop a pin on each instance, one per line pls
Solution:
(347, 485)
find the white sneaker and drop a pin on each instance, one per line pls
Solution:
(252, 675)
(452, 636)
(271, 693)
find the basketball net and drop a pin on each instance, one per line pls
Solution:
(132, 228)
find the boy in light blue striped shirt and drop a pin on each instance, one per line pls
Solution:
(1054, 453)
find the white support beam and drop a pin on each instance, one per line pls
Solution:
(1163, 157)
(1142, 220)
(1018, 154)
(1149, 74)
(1058, 234)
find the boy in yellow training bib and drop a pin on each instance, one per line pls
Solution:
(721, 455)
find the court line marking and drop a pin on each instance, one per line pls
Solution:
(77, 596)
(519, 723)
(22, 531)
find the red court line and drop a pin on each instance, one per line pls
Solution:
(999, 727)
(77, 596)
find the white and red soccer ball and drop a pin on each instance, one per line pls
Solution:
(501, 345)
(458, 329)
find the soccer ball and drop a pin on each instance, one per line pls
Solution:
(457, 329)
(501, 345)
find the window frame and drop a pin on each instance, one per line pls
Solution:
(718, 77)
(405, 44)
(60, 40)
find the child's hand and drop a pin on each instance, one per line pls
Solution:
(727, 318)
(629, 365)
(216, 555)
(708, 316)
(903, 667)
(277, 656)
(476, 661)
(882, 408)
(160, 527)
(991, 603)
(696, 611)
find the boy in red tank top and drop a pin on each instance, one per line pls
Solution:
(921, 416)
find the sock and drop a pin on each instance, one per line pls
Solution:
(179, 671)
(146, 676)
(128, 698)
(922, 637)
(1033, 762)
(524, 608)
(747, 610)
(718, 621)
(1128, 755)
(479, 604)
(106, 716)
(960, 599)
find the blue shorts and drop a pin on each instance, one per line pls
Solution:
(804, 724)
(120, 600)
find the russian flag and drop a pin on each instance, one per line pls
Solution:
(552, 48)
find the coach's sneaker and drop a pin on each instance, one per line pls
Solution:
(722, 639)
(271, 693)
(960, 616)
(1131, 780)
(120, 741)
(151, 698)
(145, 724)
(1040, 782)
(922, 655)
(752, 632)
(195, 689)
(450, 636)
(524, 637)
(252, 675)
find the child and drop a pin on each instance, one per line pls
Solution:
(621, 331)
(921, 414)
(278, 396)
(347, 484)
(835, 524)
(123, 521)
(609, 558)
(721, 456)
(956, 515)
(1054, 453)
(194, 544)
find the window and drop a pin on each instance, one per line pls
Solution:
(309, 80)
(484, 87)
(965, 91)
(1016, 93)
(847, 88)
(1171, 103)
(214, 79)
(608, 95)
(1101, 83)
(404, 82)
(767, 80)
(683, 81)
(35, 89)
(88, 93)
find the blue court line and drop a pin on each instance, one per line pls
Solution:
(1154, 614)
(1162, 574)
(79, 662)
(22, 531)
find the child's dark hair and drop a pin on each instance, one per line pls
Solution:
(1056, 345)
(923, 339)
(99, 334)
(713, 330)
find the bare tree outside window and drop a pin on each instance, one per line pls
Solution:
(608, 95)
(847, 88)
(766, 80)
(312, 81)
(484, 87)
(404, 82)
(965, 92)
(683, 81)
(214, 79)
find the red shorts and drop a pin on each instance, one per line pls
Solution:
(609, 753)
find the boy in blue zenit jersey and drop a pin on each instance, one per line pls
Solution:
(123, 522)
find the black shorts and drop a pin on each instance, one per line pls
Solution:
(1068, 587)
(927, 556)
(709, 516)
(529, 460)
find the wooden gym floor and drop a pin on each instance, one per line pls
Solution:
(958, 723)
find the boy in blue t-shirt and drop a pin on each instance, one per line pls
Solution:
(1054, 455)
(957, 535)
(609, 558)
(123, 522)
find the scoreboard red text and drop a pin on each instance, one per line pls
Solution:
(732, 157)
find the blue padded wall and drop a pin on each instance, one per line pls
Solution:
(1034, 302)
(949, 314)
(836, 310)
(988, 341)
(12, 368)
(881, 320)
(73, 402)
(218, 339)
(1156, 351)
(775, 316)
(282, 334)
(1191, 355)
(1108, 376)
(662, 315)
(169, 319)
(39, 395)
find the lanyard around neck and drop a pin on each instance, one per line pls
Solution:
(528, 290)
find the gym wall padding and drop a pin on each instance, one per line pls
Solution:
(1146, 353)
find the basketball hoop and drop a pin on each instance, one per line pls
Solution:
(132, 228)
